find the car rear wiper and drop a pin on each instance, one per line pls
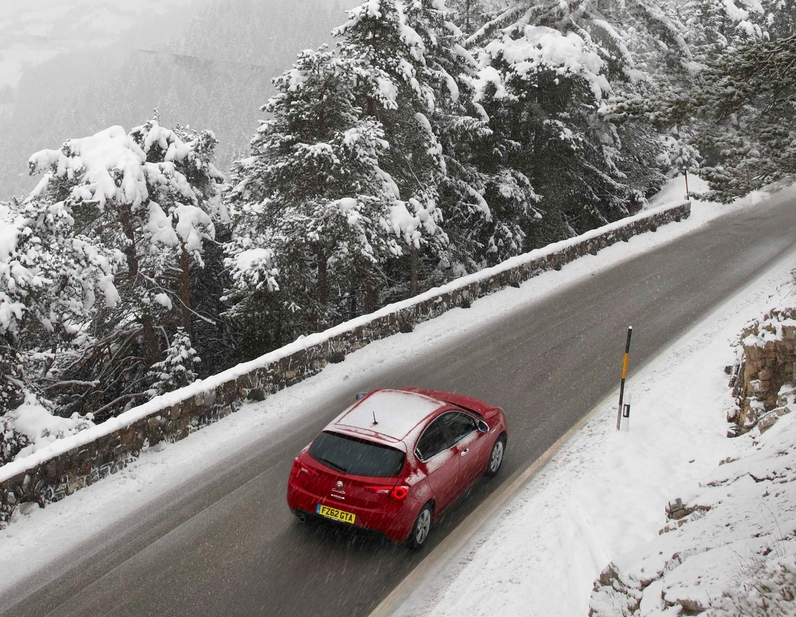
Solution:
(332, 465)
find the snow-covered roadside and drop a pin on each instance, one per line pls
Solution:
(603, 496)
(41, 535)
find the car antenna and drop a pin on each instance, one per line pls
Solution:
(374, 418)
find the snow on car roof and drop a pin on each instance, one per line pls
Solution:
(397, 412)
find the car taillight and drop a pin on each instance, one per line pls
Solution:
(299, 468)
(398, 493)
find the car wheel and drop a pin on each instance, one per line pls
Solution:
(496, 457)
(421, 528)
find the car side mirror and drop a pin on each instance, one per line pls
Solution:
(483, 426)
(361, 395)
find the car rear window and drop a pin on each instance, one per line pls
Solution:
(356, 456)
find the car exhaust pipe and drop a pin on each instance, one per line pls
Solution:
(302, 518)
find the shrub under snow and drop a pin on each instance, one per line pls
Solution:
(31, 426)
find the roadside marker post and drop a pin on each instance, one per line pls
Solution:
(687, 192)
(626, 414)
(622, 383)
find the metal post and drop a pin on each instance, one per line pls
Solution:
(624, 375)
(687, 192)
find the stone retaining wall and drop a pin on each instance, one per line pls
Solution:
(45, 481)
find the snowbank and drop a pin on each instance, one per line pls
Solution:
(729, 545)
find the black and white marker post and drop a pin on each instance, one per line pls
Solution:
(620, 412)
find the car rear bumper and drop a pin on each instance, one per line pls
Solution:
(395, 523)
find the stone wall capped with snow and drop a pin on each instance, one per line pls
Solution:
(86, 457)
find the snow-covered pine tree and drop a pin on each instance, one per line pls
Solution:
(51, 278)
(435, 132)
(485, 204)
(177, 369)
(543, 88)
(746, 106)
(699, 40)
(132, 193)
(313, 209)
(202, 277)
(739, 111)
(403, 86)
(185, 173)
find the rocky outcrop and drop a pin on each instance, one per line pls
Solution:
(763, 380)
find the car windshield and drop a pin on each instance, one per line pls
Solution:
(357, 457)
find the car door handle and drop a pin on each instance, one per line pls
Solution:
(464, 452)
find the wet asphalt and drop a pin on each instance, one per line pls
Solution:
(226, 544)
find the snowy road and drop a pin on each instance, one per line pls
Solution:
(226, 545)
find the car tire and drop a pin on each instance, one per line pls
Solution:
(496, 457)
(421, 528)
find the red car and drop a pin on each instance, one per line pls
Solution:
(396, 459)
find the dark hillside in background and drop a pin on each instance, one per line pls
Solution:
(211, 72)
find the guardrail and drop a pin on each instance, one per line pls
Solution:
(69, 464)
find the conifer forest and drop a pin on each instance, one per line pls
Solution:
(427, 139)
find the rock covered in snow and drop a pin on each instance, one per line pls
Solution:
(729, 547)
(767, 369)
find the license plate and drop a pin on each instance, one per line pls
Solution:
(334, 513)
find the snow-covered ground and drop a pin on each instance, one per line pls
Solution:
(545, 549)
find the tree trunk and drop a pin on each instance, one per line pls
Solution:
(322, 262)
(368, 293)
(153, 354)
(125, 216)
(185, 289)
(147, 322)
(414, 262)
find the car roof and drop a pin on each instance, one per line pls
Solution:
(397, 413)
